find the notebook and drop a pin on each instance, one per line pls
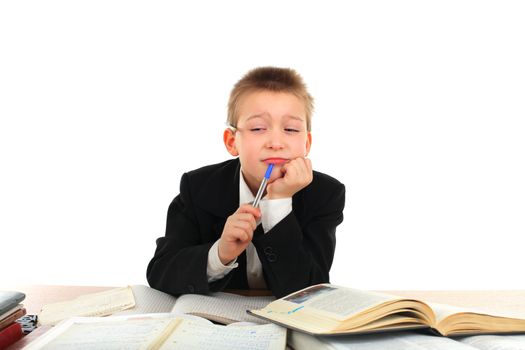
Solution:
(10, 299)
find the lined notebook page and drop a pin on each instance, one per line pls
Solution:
(117, 335)
(151, 331)
(195, 334)
(222, 307)
(149, 300)
(94, 304)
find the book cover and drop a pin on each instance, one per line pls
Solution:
(10, 335)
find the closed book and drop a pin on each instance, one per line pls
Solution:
(9, 299)
(12, 318)
(10, 335)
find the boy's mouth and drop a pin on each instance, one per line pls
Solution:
(275, 161)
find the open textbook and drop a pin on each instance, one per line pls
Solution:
(221, 307)
(327, 309)
(158, 331)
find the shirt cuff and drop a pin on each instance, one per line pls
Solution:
(273, 211)
(215, 269)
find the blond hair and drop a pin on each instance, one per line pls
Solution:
(270, 79)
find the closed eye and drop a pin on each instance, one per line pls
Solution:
(257, 129)
(291, 130)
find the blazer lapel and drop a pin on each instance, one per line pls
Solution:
(219, 195)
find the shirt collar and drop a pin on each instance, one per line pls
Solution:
(245, 194)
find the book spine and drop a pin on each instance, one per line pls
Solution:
(12, 318)
(10, 335)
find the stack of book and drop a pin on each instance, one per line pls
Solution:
(11, 309)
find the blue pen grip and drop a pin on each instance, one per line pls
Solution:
(269, 171)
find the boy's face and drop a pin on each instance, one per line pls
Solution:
(271, 128)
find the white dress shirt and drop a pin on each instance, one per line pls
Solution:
(272, 211)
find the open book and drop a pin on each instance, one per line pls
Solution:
(157, 331)
(220, 307)
(224, 308)
(326, 309)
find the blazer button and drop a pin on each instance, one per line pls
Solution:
(271, 257)
(268, 250)
(191, 289)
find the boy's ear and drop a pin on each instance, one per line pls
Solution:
(229, 141)
(308, 143)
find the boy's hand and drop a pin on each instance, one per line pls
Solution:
(238, 232)
(296, 175)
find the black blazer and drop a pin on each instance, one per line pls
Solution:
(295, 253)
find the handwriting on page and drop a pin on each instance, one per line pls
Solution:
(122, 335)
(149, 300)
(197, 335)
(96, 304)
(228, 306)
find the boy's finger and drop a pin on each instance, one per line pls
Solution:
(247, 215)
(236, 234)
(248, 208)
(303, 166)
(247, 218)
(308, 163)
(246, 224)
(302, 163)
(243, 235)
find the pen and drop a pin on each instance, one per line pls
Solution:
(263, 186)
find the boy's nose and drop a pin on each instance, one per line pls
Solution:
(275, 140)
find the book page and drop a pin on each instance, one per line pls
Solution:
(154, 331)
(93, 333)
(390, 341)
(225, 307)
(495, 342)
(192, 334)
(343, 302)
(443, 311)
(94, 304)
(149, 300)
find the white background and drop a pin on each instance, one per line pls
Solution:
(420, 111)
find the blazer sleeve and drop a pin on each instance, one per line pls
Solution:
(180, 260)
(297, 254)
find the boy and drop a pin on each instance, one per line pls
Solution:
(213, 237)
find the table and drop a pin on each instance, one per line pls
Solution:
(510, 302)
